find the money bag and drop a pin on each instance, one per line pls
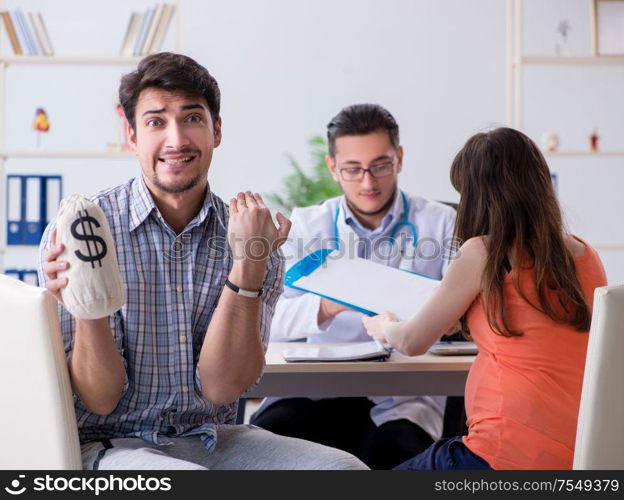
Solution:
(94, 288)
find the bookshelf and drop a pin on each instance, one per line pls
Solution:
(8, 60)
(570, 61)
(515, 102)
(516, 62)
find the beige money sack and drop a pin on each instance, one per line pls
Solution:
(94, 285)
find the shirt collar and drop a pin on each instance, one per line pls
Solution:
(395, 213)
(142, 204)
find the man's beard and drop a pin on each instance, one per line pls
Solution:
(385, 207)
(178, 188)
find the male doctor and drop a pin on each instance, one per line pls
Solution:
(375, 220)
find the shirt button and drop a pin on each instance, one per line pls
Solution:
(182, 338)
(179, 288)
(185, 388)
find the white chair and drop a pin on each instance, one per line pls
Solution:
(600, 430)
(37, 418)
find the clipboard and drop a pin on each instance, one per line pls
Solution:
(338, 277)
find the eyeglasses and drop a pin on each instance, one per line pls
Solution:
(357, 173)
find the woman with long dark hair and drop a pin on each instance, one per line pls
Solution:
(522, 288)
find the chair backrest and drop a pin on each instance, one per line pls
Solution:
(600, 430)
(37, 418)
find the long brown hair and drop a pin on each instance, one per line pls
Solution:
(507, 195)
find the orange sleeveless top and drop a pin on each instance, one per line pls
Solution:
(523, 393)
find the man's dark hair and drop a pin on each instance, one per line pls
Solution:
(361, 119)
(173, 73)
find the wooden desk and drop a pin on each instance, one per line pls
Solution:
(398, 376)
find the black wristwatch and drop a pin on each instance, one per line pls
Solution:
(241, 291)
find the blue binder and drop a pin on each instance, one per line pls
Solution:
(32, 201)
(26, 275)
(14, 210)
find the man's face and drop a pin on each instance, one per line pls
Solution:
(369, 195)
(174, 140)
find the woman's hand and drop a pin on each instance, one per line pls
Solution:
(376, 326)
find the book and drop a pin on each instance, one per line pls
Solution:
(30, 17)
(131, 34)
(162, 28)
(43, 32)
(28, 37)
(8, 24)
(357, 351)
(147, 20)
(156, 18)
(19, 32)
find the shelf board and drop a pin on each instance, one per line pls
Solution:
(69, 60)
(571, 61)
(585, 154)
(67, 154)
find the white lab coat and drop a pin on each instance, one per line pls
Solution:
(296, 311)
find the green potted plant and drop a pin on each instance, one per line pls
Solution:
(301, 189)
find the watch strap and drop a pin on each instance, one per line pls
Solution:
(242, 291)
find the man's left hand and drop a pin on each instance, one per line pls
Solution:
(251, 232)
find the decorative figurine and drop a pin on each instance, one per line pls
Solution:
(593, 140)
(561, 47)
(41, 124)
(550, 142)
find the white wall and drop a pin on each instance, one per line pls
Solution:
(286, 67)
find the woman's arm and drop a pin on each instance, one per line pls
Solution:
(459, 288)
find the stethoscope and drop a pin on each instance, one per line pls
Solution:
(403, 222)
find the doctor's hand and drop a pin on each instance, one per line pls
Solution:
(329, 309)
(376, 326)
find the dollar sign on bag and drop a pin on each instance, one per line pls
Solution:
(86, 223)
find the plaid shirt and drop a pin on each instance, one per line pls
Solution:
(173, 283)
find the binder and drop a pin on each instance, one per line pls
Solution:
(13, 273)
(26, 275)
(33, 222)
(14, 210)
(30, 276)
(32, 201)
(53, 193)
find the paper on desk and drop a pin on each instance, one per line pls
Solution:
(361, 284)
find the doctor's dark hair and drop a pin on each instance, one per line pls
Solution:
(173, 73)
(361, 119)
(507, 195)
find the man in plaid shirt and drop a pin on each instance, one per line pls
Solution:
(156, 383)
